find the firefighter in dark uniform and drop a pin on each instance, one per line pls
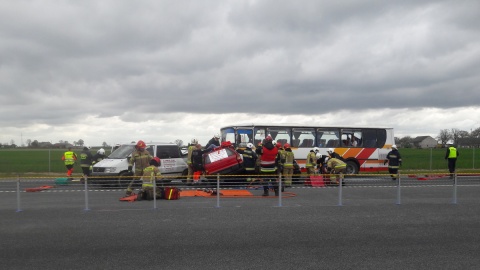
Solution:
(394, 162)
(249, 161)
(86, 160)
(268, 165)
(451, 156)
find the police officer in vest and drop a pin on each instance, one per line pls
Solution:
(69, 158)
(451, 156)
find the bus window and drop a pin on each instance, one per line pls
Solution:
(381, 137)
(244, 136)
(259, 136)
(280, 134)
(228, 134)
(327, 138)
(351, 138)
(370, 138)
(303, 137)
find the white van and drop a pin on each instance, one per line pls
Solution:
(113, 170)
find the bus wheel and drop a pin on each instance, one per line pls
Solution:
(352, 167)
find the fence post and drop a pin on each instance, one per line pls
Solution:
(340, 184)
(431, 157)
(218, 190)
(85, 178)
(454, 201)
(280, 190)
(399, 190)
(19, 208)
(154, 194)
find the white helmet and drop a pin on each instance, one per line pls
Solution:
(319, 155)
(87, 147)
(101, 151)
(250, 145)
(194, 141)
(316, 149)
(217, 136)
(394, 146)
(330, 150)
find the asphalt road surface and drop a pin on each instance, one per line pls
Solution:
(370, 229)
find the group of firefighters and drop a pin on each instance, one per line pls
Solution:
(87, 160)
(269, 159)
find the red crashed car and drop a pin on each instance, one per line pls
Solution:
(223, 160)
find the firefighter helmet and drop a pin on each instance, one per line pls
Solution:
(316, 149)
(269, 138)
(101, 151)
(216, 136)
(394, 146)
(156, 161)
(141, 145)
(287, 145)
(318, 155)
(249, 145)
(278, 145)
(330, 150)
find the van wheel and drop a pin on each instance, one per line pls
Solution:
(352, 167)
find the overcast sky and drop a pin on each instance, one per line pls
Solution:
(119, 71)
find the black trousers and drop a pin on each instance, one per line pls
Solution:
(451, 164)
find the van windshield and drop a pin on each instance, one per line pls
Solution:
(122, 152)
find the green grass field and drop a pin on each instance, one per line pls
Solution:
(45, 161)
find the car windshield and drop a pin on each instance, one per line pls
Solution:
(122, 152)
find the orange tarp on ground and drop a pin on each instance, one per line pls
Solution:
(223, 193)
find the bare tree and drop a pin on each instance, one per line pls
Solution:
(179, 142)
(444, 136)
(405, 142)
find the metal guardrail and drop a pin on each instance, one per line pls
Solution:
(22, 185)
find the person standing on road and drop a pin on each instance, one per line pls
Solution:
(287, 160)
(69, 158)
(141, 158)
(86, 160)
(197, 162)
(249, 161)
(268, 166)
(394, 162)
(311, 161)
(452, 155)
(191, 148)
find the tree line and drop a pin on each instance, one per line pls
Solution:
(455, 136)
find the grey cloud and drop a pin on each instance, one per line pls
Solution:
(131, 59)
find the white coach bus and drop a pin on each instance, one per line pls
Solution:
(364, 148)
